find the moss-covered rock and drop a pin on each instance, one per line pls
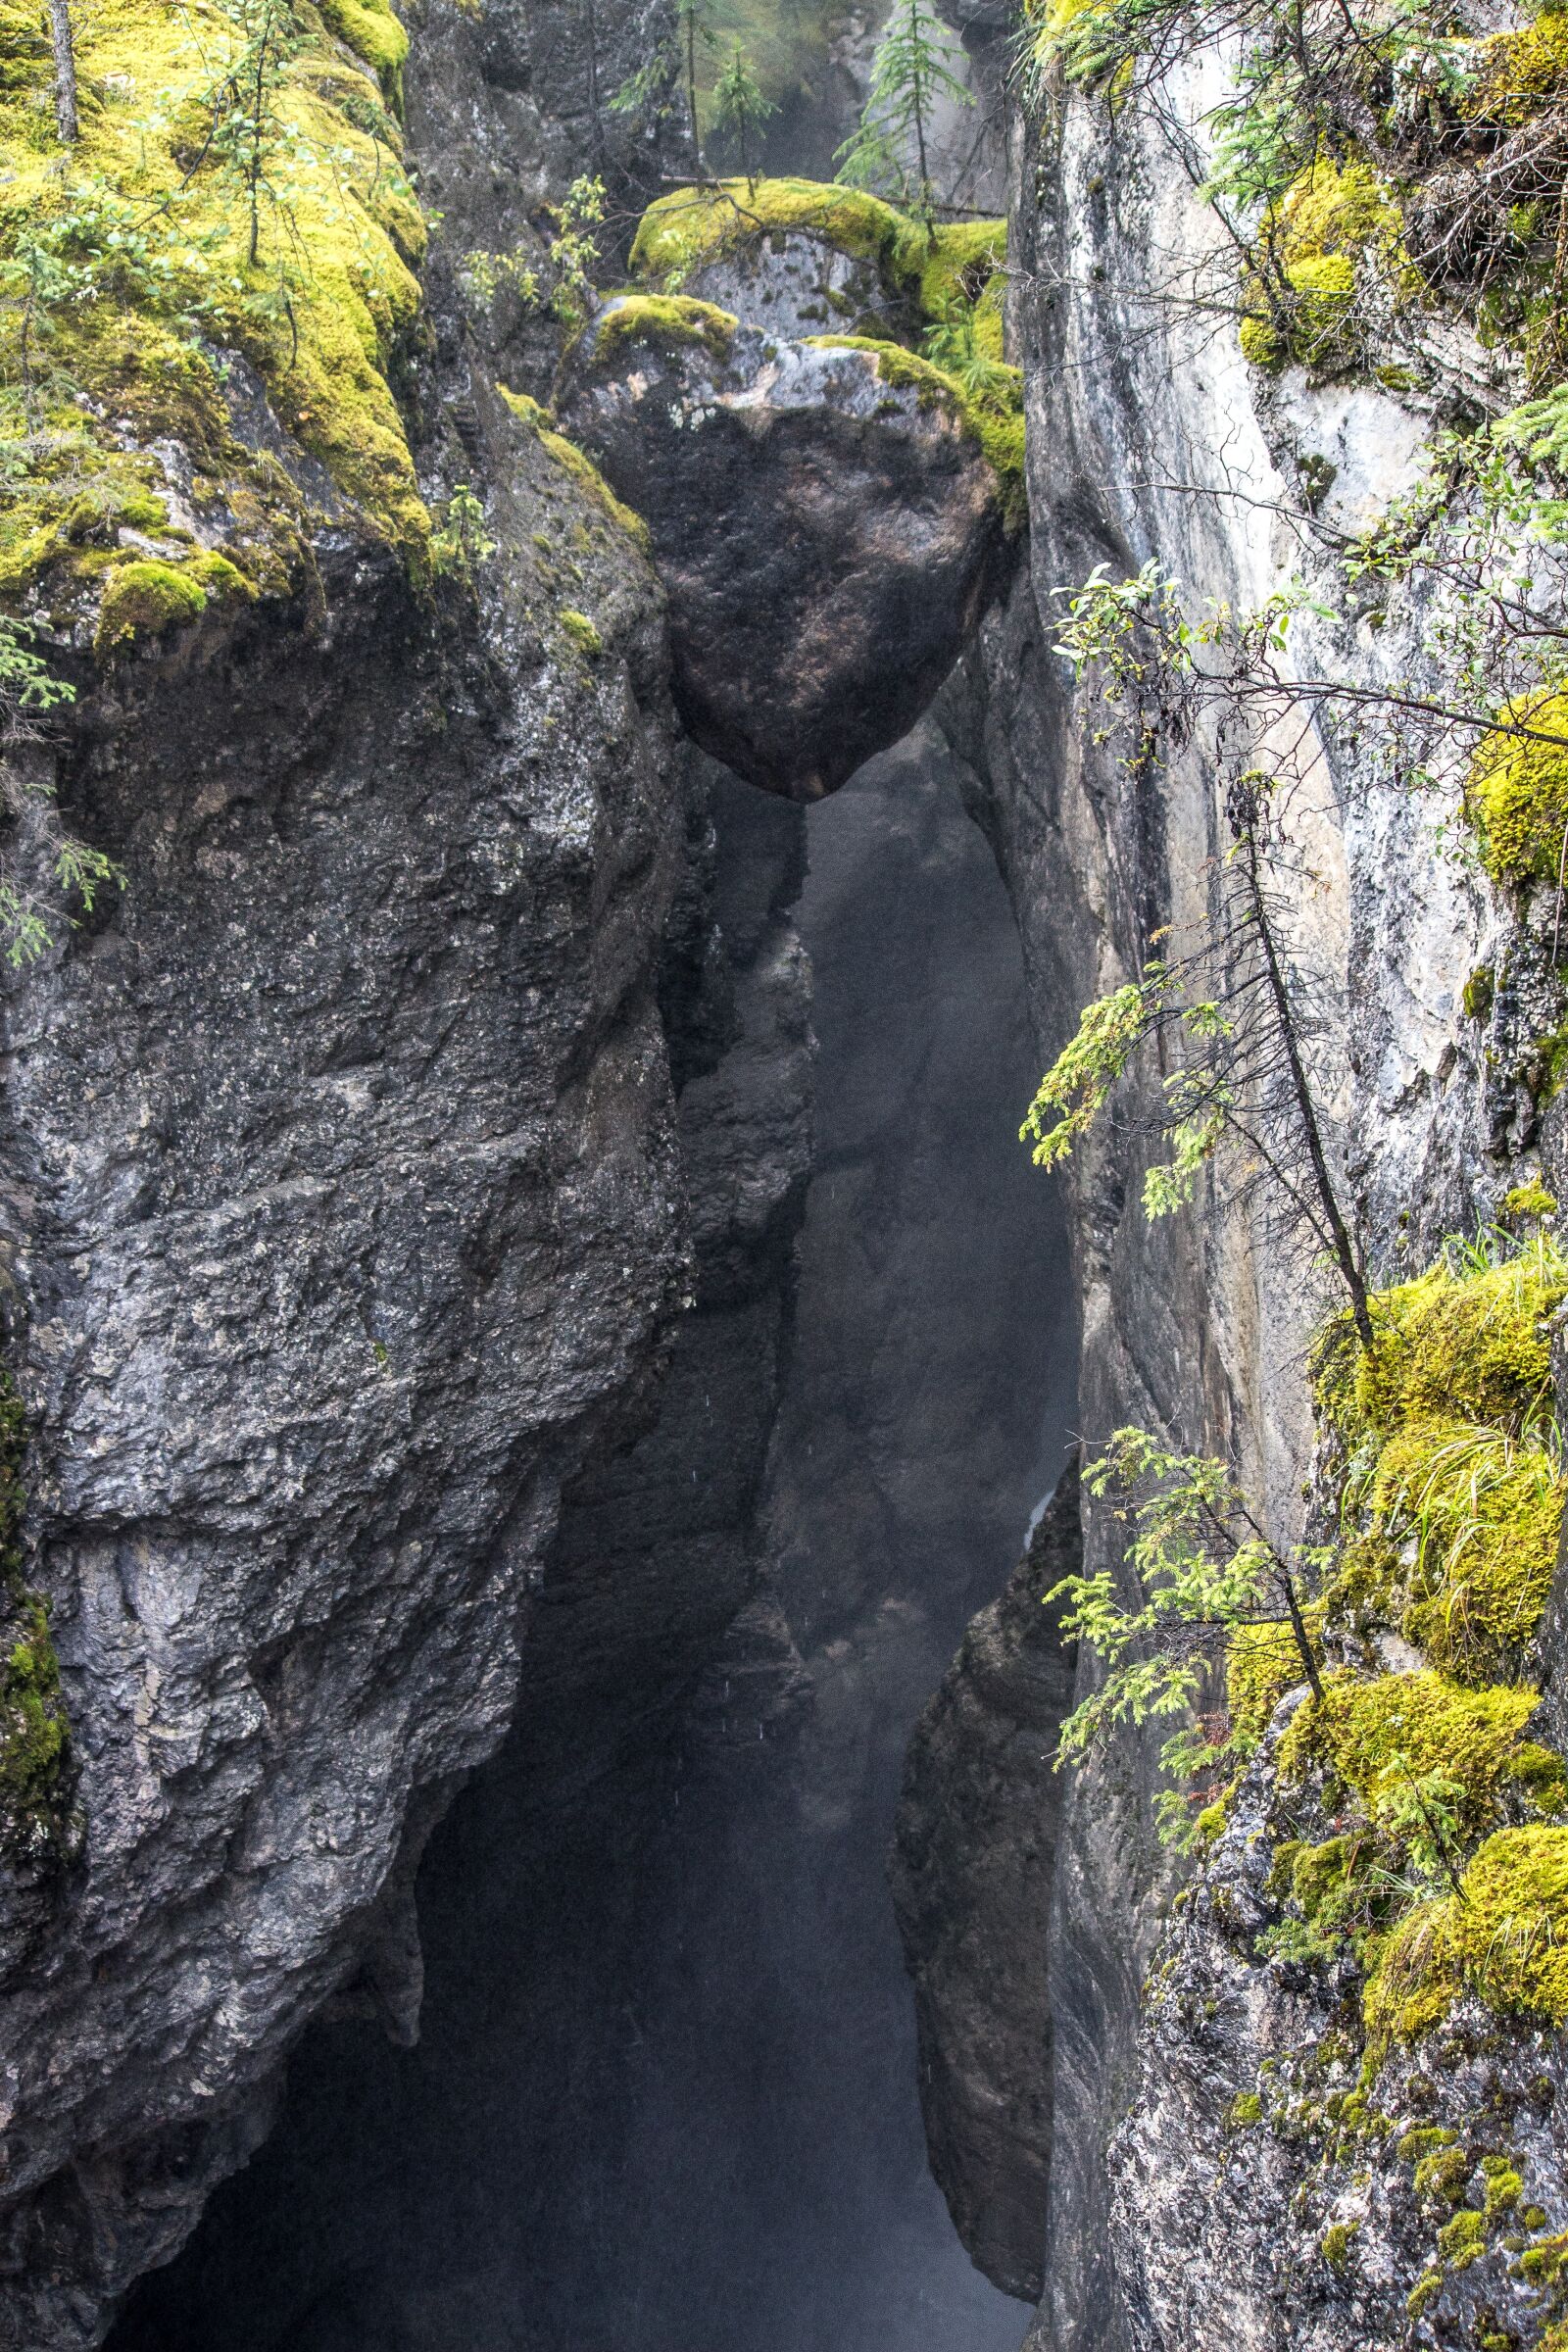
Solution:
(1503, 1935)
(1517, 792)
(145, 598)
(137, 266)
(38, 1824)
(666, 321)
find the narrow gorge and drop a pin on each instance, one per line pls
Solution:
(658, 1691)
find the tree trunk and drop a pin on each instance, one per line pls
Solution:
(64, 50)
(1339, 1234)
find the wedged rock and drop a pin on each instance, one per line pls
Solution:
(972, 1866)
(824, 520)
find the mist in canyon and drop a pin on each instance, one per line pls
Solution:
(664, 2093)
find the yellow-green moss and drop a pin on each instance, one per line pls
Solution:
(582, 632)
(1518, 73)
(1507, 1941)
(1528, 1204)
(374, 33)
(143, 598)
(155, 236)
(1374, 1735)
(1245, 2110)
(666, 320)
(1517, 793)
(580, 466)
(1455, 1493)
(999, 431)
(1335, 2245)
(1457, 1343)
(1321, 232)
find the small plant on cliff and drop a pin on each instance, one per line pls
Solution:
(39, 1826)
(910, 75)
(28, 692)
(1206, 1570)
(740, 109)
(1238, 1008)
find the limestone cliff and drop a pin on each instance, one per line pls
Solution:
(1238, 466)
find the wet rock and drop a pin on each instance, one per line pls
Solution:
(972, 1870)
(825, 524)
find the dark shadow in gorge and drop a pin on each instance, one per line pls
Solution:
(664, 2100)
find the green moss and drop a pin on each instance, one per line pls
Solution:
(1507, 1941)
(582, 632)
(1505, 2186)
(1335, 2246)
(580, 466)
(1463, 2240)
(1517, 793)
(1245, 2110)
(1519, 74)
(666, 320)
(999, 431)
(1331, 224)
(1455, 1497)
(152, 238)
(1457, 1343)
(143, 598)
(1528, 1204)
(38, 1775)
(1479, 992)
(1372, 1737)
(374, 33)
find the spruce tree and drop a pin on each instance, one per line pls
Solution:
(740, 108)
(912, 68)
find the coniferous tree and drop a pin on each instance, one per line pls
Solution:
(695, 18)
(911, 71)
(740, 108)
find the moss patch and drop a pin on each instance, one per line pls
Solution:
(999, 429)
(1507, 1941)
(668, 322)
(142, 600)
(1454, 1494)
(129, 259)
(1517, 793)
(582, 632)
(38, 1775)
(1373, 1738)
(1333, 222)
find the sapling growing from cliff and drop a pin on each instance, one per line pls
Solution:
(910, 74)
(1205, 1567)
(740, 109)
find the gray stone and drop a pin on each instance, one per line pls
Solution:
(827, 540)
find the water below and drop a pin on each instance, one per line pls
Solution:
(665, 2096)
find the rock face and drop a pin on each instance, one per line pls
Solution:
(972, 1873)
(343, 1213)
(827, 533)
(666, 2063)
(341, 1202)
(1150, 439)
(1320, 2235)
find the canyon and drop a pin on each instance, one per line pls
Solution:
(551, 1388)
